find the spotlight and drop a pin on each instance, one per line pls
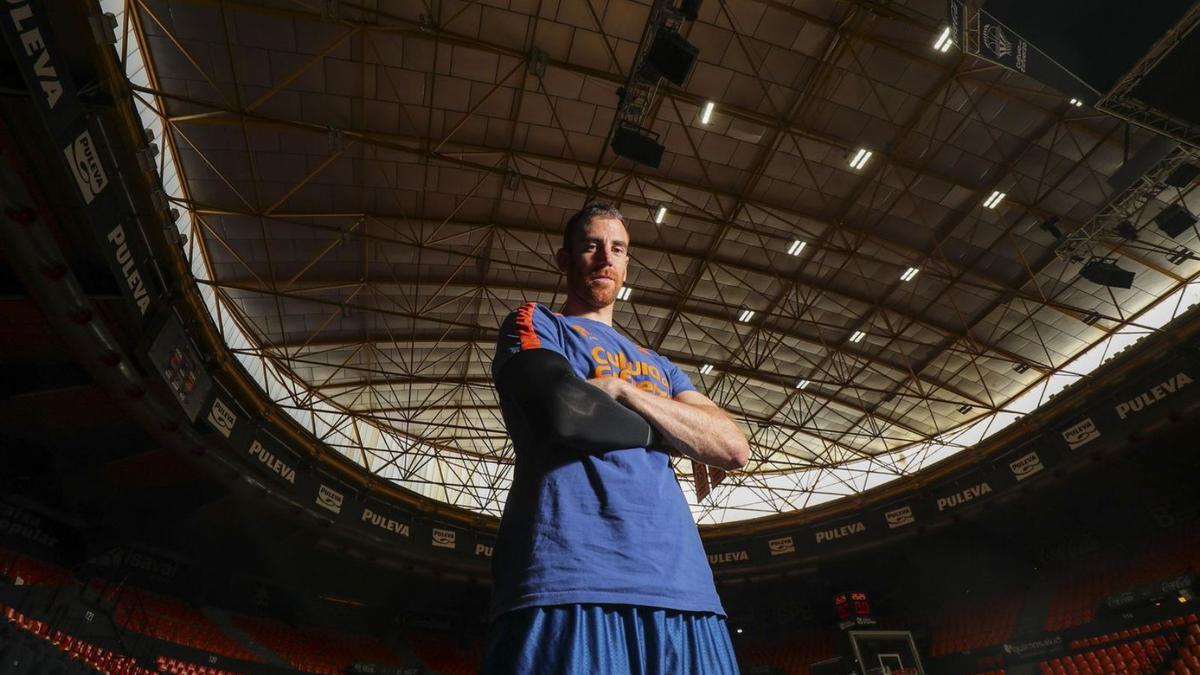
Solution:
(1104, 271)
(1127, 231)
(1174, 220)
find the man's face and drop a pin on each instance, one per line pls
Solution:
(596, 264)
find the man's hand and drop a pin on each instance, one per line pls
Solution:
(613, 386)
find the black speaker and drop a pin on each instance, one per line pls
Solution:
(630, 142)
(1183, 175)
(1174, 220)
(670, 57)
(1104, 271)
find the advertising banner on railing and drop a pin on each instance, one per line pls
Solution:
(80, 148)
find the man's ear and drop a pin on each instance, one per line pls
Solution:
(563, 259)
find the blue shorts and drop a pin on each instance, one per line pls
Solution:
(609, 639)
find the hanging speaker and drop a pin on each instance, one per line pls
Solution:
(1183, 175)
(1174, 220)
(670, 57)
(631, 142)
(1104, 271)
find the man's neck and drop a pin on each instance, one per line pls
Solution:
(573, 307)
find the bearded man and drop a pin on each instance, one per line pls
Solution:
(598, 565)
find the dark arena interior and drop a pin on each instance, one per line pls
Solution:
(937, 261)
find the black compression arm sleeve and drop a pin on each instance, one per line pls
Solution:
(569, 410)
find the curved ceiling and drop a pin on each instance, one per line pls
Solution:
(372, 186)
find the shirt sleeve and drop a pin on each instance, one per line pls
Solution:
(678, 380)
(531, 326)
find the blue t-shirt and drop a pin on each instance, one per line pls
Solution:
(612, 527)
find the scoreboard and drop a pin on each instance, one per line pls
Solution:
(853, 609)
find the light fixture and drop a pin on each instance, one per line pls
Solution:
(858, 336)
(860, 159)
(624, 292)
(802, 384)
(660, 214)
(1174, 220)
(739, 631)
(1050, 226)
(796, 247)
(706, 369)
(746, 315)
(706, 116)
(944, 42)
(994, 199)
(909, 274)
(1077, 103)
(1104, 271)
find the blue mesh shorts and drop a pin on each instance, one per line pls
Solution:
(608, 640)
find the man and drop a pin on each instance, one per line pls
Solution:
(598, 565)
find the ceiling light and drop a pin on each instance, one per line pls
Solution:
(860, 159)
(944, 42)
(660, 214)
(909, 274)
(1077, 103)
(994, 199)
(706, 116)
(746, 315)
(706, 369)
(739, 631)
(796, 247)
(802, 384)
(858, 336)
(624, 292)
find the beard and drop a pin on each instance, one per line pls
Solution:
(595, 292)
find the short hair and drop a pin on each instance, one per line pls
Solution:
(582, 217)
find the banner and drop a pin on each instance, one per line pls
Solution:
(78, 143)
(979, 34)
(1044, 646)
(840, 533)
(963, 492)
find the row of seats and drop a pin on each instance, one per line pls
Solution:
(1187, 662)
(963, 629)
(791, 654)
(445, 654)
(1115, 636)
(21, 570)
(316, 651)
(1075, 601)
(93, 656)
(1145, 655)
(172, 620)
(167, 664)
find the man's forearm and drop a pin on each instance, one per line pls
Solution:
(565, 410)
(703, 432)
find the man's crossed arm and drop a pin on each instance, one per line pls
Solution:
(609, 414)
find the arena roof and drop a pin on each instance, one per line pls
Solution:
(369, 187)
